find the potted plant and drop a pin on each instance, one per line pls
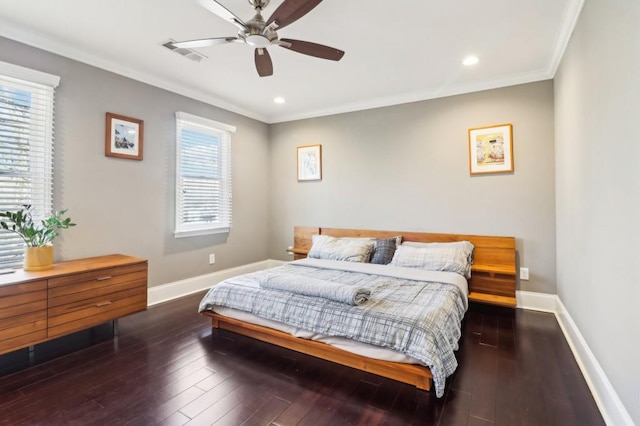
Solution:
(38, 254)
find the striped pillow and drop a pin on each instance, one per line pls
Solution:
(449, 259)
(346, 249)
(466, 246)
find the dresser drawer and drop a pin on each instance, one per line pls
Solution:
(81, 317)
(86, 280)
(90, 285)
(83, 300)
(23, 315)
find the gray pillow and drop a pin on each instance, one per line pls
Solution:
(383, 251)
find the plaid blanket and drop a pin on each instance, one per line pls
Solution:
(314, 287)
(418, 318)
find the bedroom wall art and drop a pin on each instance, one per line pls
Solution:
(310, 162)
(124, 137)
(491, 149)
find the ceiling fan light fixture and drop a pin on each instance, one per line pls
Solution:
(470, 60)
(257, 40)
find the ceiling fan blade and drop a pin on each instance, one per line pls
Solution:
(224, 13)
(263, 62)
(290, 11)
(205, 42)
(312, 49)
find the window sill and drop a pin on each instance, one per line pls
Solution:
(200, 232)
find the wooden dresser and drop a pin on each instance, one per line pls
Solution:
(72, 296)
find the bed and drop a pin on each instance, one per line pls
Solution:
(374, 336)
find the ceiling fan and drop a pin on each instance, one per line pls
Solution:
(261, 34)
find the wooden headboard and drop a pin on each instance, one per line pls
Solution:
(493, 274)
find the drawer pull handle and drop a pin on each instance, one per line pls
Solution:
(101, 304)
(108, 277)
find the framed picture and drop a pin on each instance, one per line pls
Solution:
(491, 149)
(124, 136)
(310, 162)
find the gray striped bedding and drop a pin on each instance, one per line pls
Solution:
(408, 311)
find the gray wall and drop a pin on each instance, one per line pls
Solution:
(127, 206)
(597, 101)
(406, 168)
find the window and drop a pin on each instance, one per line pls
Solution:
(26, 148)
(203, 176)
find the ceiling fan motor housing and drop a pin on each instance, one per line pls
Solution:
(258, 34)
(259, 4)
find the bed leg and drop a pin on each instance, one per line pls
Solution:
(214, 323)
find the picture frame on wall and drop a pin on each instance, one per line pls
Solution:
(124, 137)
(491, 149)
(310, 162)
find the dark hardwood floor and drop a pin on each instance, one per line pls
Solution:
(167, 367)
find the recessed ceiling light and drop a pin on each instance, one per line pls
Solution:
(278, 100)
(470, 60)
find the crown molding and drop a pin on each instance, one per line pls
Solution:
(14, 32)
(405, 98)
(569, 22)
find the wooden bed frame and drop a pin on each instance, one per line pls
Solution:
(493, 281)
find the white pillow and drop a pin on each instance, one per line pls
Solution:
(465, 246)
(346, 249)
(432, 258)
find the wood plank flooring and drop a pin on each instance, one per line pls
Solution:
(167, 367)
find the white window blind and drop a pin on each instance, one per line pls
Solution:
(203, 176)
(26, 148)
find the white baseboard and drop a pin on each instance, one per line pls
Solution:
(536, 301)
(607, 399)
(611, 407)
(174, 290)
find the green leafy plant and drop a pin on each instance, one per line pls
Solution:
(33, 233)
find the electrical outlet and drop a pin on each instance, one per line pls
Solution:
(212, 259)
(524, 274)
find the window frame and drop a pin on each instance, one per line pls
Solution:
(40, 173)
(224, 134)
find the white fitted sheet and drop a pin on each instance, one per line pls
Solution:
(343, 343)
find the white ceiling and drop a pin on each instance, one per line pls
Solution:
(396, 51)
